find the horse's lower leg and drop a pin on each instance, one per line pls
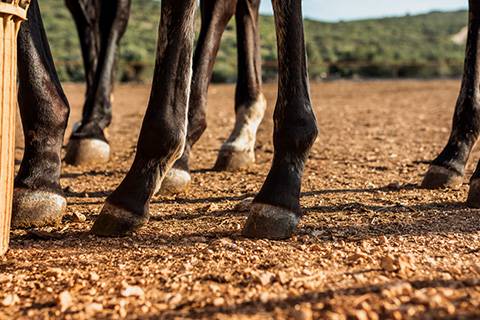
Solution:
(38, 197)
(275, 211)
(448, 168)
(215, 17)
(250, 104)
(100, 25)
(162, 137)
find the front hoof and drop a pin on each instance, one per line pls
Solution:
(233, 160)
(34, 208)
(87, 151)
(114, 221)
(176, 181)
(270, 222)
(439, 177)
(473, 200)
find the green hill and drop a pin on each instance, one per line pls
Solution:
(411, 46)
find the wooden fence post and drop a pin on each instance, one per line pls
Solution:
(12, 13)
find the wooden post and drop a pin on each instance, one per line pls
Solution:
(11, 15)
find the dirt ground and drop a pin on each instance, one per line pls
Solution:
(372, 245)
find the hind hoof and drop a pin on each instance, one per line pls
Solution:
(473, 200)
(37, 208)
(232, 160)
(439, 177)
(175, 181)
(87, 151)
(270, 222)
(114, 221)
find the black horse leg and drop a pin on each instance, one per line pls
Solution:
(275, 211)
(38, 198)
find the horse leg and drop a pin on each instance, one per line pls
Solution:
(449, 167)
(100, 25)
(250, 104)
(275, 211)
(38, 198)
(215, 16)
(163, 134)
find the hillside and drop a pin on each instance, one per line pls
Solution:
(413, 46)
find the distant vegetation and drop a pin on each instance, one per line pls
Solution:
(412, 46)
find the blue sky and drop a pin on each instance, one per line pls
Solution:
(334, 10)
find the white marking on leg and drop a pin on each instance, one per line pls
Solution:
(247, 121)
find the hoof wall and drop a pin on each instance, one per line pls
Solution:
(176, 181)
(270, 222)
(439, 177)
(232, 160)
(473, 200)
(87, 151)
(37, 208)
(114, 221)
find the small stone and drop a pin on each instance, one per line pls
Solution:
(389, 263)
(217, 302)
(65, 300)
(53, 272)
(79, 217)
(93, 308)
(176, 299)
(361, 315)
(283, 277)
(302, 312)
(265, 278)
(264, 296)
(10, 300)
(133, 291)
(94, 276)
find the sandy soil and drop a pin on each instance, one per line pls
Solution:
(371, 246)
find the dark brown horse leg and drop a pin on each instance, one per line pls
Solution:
(163, 134)
(448, 168)
(250, 104)
(275, 211)
(100, 25)
(215, 16)
(38, 197)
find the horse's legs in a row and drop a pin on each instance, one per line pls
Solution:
(215, 16)
(275, 211)
(100, 25)
(163, 133)
(38, 197)
(449, 167)
(238, 151)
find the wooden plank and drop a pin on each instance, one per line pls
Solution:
(9, 26)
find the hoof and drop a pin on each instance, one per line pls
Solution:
(232, 160)
(37, 208)
(176, 181)
(87, 151)
(439, 177)
(114, 221)
(473, 200)
(270, 222)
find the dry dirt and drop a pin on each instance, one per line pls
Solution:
(371, 245)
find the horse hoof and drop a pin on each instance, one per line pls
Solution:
(87, 151)
(37, 208)
(232, 160)
(473, 200)
(114, 221)
(439, 177)
(270, 222)
(175, 181)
